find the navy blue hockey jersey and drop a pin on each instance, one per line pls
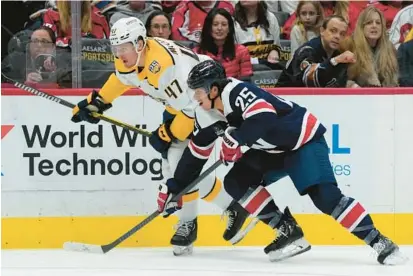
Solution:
(263, 121)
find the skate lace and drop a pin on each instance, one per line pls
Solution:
(184, 228)
(281, 233)
(231, 218)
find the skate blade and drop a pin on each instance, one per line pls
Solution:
(396, 258)
(243, 232)
(183, 250)
(295, 248)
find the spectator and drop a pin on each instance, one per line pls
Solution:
(93, 23)
(402, 24)
(158, 24)
(218, 42)
(376, 56)
(189, 17)
(38, 66)
(307, 25)
(42, 54)
(405, 60)
(288, 6)
(169, 6)
(389, 10)
(318, 63)
(258, 29)
(349, 10)
(133, 8)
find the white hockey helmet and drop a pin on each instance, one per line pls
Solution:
(126, 30)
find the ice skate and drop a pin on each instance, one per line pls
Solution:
(289, 242)
(236, 218)
(184, 237)
(388, 252)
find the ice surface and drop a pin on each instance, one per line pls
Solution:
(206, 261)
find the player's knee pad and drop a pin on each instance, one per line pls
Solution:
(325, 197)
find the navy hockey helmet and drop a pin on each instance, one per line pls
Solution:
(204, 74)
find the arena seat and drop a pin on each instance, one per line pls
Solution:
(281, 17)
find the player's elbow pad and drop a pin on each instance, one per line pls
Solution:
(182, 126)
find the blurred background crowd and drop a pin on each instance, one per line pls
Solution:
(254, 39)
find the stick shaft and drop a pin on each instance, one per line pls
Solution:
(71, 105)
(110, 246)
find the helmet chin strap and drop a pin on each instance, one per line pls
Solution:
(212, 100)
(140, 53)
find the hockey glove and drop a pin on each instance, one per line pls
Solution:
(165, 205)
(162, 138)
(93, 103)
(230, 148)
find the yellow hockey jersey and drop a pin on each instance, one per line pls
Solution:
(163, 78)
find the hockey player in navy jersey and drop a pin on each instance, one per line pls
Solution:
(283, 137)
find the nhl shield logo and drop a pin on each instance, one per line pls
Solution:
(154, 67)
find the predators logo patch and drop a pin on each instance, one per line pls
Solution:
(154, 67)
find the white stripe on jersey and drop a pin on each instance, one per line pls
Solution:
(306, 124)
(200, 152)
(257, 107)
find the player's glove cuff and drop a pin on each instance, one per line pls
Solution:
(165, 133)
(93, 103)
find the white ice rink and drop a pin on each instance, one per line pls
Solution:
(235, 261)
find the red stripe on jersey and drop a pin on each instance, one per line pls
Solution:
(352, 216)
(311, 122)
(202, 151)
(257, 107)
(255, 203)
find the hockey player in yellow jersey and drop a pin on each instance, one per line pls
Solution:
(160, 68)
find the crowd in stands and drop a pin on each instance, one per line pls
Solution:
(270, 43)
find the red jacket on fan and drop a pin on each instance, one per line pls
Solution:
(388, 11)
(189, 17)
(239, 67)
(100, 27)
(354, 10)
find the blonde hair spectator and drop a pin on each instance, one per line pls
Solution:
(341, 8)
(376, 56)
(93, 24)
(63, 7)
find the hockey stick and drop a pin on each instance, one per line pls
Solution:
(70, 105)
(102, 249)
(82, 247)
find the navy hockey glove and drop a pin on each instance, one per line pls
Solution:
(162, 138)
(166, 191)
(93, 103)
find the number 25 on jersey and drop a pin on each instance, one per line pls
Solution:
(244, 99)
